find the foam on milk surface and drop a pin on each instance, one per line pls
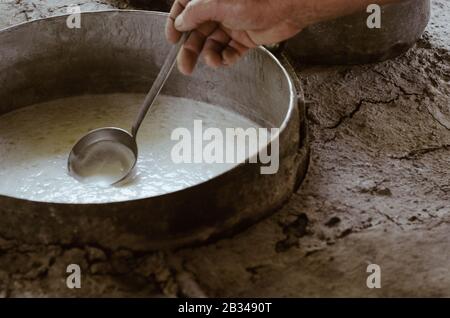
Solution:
(35, 142)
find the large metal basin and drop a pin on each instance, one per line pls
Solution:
(121, 51)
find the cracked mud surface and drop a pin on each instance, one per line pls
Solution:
(377, 191)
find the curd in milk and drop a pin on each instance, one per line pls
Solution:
(35, 142)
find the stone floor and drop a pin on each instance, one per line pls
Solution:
(377, 191)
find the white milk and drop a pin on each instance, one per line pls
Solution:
(35, 142)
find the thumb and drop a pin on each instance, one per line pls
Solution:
(198, 12)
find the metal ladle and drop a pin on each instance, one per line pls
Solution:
(109, 155)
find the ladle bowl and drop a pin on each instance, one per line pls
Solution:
(106, 156)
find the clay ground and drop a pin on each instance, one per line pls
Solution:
(377, 191)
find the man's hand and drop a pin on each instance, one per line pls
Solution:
(224, 30)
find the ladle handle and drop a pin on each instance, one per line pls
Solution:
(159, 82)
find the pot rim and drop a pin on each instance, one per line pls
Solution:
(292, 103)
